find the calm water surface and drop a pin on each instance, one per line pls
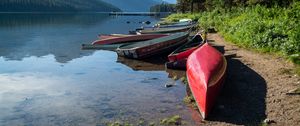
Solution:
(45, 79)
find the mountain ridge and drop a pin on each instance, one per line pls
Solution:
(134, 5)
(56, 6)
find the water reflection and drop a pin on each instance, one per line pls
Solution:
(153, 64)
(45, 79)
(84, 91)
(18, 20)
(24, 35)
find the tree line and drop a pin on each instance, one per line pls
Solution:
(203, 5)
(163, 7)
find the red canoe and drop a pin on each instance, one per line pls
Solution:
(177, 59)
(185, 50)
(126, 39)
(206, 68)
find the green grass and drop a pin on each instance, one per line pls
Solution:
(184, 80)
(190, 100)
(174, 120)
(297, 91)
(269, 30)
(297, 70)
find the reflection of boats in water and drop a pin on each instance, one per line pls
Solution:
(153, 64)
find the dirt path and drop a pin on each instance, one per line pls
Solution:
(256, 89)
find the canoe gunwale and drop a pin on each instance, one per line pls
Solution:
(165, 48)
(174, 25)
(174, 55)
(166, 30)
(224, 68)
(202, 113)
(127, 39)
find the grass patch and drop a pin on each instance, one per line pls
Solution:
(190, 100)
(273, 30)
(174, 120)
(297, 70)
(263, 124)
(286, 71)
(152, 124)
(175, 77)
(118, 123)
(297, 91)
(184, 80)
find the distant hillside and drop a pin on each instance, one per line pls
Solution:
(55, 5)
(134, 5)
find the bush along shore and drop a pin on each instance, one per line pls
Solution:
(265, 29)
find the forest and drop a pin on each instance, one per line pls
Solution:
(264, 25)
(163, 7)
(55, 6)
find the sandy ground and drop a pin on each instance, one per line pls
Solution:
(256, 89)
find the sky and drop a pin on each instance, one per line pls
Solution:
(171, 1)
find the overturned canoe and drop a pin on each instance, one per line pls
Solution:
(126, 38)
(151, 47)
(177, 59)
(206, 68)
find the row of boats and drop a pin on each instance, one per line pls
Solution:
(205, 66)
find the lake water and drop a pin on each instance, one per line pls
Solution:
(45, 79)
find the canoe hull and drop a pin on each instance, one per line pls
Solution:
(181, 56)
(124, 39)
(153, 49)
(174, 25)
(177, 59)
(166, 30)
(206, 68)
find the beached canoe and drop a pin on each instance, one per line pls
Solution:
(185, 50)
(165, 30)
(127, 38)
(177, 59)
(106, 36)
(151, 47)
(177, 24)
(206, 68)
(173, 25)
(110, 47)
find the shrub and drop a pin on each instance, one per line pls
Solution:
(275, 29)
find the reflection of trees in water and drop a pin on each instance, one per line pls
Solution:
(62, 52)
(21, 19)
(24, 35)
